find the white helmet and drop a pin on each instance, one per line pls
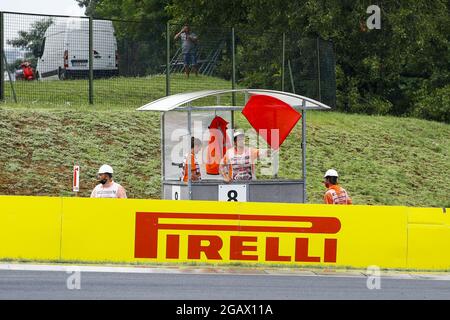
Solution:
(331, 173)
(238, 133)
(105, 169)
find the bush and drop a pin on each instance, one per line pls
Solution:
(434, 106)
(352, 101)
(377, 105)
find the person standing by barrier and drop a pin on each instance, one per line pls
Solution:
(196, 146)
(335, 193)
(189, 42)
(107, 188)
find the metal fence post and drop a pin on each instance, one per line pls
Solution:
(291, 76)
(233, 73)
(319, 94)
(168, 59)
(2, 66)
(304, 150)
(283, 61)
(91, 61)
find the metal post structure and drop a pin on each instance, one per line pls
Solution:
(91, 61)
(303, 133)
(189, 157)
(3, 59)
(319, 95)
(163, 152)
(233, 74)
(283, 61)
(291, 76)
(2, 66)
(168, 59)
(304, 149)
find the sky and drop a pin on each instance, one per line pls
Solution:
(14, 23)
(57, 7)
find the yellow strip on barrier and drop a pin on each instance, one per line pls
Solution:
(30, 227)
(99, 229)
(428, 238)
(127, 230)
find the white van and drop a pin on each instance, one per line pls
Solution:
(65, 50)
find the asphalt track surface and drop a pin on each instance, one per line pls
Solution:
(49, 285)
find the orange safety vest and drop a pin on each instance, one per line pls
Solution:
(195, 169)
(337, 195)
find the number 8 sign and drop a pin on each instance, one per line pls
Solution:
(233, 192)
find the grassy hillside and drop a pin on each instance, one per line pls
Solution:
(115, 92)
(382, 160)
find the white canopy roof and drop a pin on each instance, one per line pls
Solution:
(182, 99)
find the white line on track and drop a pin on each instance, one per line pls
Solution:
(71, 268)
(218, 271)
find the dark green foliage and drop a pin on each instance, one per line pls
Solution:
(377, 72)
(435, 106)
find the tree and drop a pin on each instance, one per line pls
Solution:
(151, 11)
(140, 30)
(32, 40)
(378, 71)
(90, 6)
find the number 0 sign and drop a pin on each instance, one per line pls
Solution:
(233, 193)
(176, 191)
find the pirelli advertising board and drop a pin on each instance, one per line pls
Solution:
(164, 231)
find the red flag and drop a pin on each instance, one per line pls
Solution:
(217, 145)
(267, 114)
